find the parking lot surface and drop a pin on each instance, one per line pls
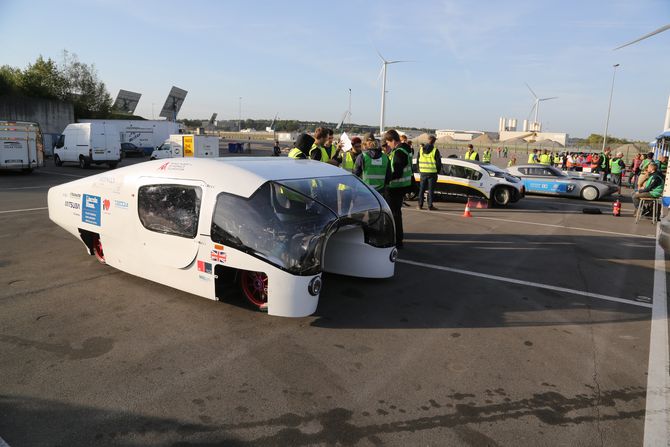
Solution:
(528, 325)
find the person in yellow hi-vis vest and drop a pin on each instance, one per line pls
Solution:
(349, 157)
(347, 161)
(545, 158)
(319, 150)
(430, 164)
(401, 179)
(302, 146)
(471, 154)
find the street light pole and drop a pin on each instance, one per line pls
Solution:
(239, 117)
(609, 107)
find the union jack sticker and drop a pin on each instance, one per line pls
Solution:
(218, 256)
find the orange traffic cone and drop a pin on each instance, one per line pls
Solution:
(467, 213)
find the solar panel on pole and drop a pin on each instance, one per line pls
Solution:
(173, 103)
(126, 101)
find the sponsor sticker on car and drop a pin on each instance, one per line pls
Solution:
(205, 267)
(91, 209)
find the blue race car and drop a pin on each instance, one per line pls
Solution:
(548, 180)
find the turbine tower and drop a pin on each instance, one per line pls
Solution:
(536, 105)
(385, 64)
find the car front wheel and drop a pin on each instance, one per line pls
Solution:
(590, 193)
(57, 161)
(502, 196)
(255, 288)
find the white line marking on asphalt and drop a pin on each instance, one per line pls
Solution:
(25, 187)
(656, 423)
(527, 283)
(443, 213)
(23, 210)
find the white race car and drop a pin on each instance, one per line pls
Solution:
(271, 225)
(465, 178)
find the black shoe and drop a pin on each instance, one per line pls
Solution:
(432, 208)
(420, 207)
(405, 203)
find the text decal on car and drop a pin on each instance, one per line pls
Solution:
(90, 209)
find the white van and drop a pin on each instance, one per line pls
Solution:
(21, 145)
(87, 143)
(187, 145)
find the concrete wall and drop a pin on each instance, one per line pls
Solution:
(50, 114)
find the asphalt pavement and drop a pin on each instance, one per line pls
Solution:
(528, 325)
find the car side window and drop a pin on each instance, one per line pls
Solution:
(473, 174)
(61, 142)
(536, 171)
(523, 170)
(446, 169)
(170, 209)
(457, 171)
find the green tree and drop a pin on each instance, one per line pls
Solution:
(9, 80)
(43, 79)
(87, 93)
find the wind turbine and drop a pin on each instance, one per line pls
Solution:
(382, 73)
(660, 30)
(536, 105)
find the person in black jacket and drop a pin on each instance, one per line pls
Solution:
(401, 179)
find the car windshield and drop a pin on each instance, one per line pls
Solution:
(287, 223)
(493, 170)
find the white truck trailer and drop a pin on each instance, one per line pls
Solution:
(21, 146)
(188, 145)
(145, 134)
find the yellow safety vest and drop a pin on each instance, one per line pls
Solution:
(427, 163)
(325, 155)
(531, 158)
(348, 162)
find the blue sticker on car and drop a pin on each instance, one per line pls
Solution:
(548, 186)
(90, 209)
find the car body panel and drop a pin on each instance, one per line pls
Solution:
(112, 205)
(548, 180)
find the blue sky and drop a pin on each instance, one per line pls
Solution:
(299, 59)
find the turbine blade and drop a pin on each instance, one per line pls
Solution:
(531, 90)
(660, 30)
(532, 109)
(398, 62)
(380, 55)
(547, 99)
(381, 70)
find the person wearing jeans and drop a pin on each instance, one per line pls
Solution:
(429, 163)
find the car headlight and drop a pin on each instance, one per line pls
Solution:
(314, 286)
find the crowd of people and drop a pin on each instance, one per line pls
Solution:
(385, 165)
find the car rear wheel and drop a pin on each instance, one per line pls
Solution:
(57, 161)
(502, 196)
(97, 250)
(590, 193)
(82, 163)
(255, 288)
(113, 165)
